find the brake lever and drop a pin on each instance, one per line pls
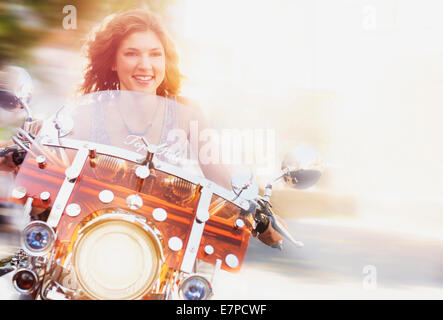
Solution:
(267, 210)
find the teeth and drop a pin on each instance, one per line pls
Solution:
(143, 78)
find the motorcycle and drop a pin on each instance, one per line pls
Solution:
(117, 216)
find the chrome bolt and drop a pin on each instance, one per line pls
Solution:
(73, 210)
(134, 202)
(239, 223)
(45, 195)
(159, 214)
(19, 192)
(175, 244)
(142, 172)
(231, 261)
(106, 196)
(41, 160)
(209, 249)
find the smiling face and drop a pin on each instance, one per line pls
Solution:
(140, 62)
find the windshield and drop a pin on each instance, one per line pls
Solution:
(122, 127)
(123, 118)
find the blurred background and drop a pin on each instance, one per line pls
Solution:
(361, 80)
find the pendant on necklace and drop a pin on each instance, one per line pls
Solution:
(138, 133)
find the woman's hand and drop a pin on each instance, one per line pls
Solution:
(6, 163)
(266, 233)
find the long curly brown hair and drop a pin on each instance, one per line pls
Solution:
(103, 42)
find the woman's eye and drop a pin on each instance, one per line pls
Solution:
(130, 54)
(156, 54)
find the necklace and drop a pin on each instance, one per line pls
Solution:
(148, 127)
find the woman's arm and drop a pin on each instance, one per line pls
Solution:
(221, 173)
(192, 120)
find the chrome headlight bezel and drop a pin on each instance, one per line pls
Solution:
(39, 233)
(184, 285)
(140, 231)
(34, 276)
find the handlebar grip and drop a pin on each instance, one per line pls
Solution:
(5, 151)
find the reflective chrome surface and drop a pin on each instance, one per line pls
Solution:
(38, 238)
(45, 195)
(73, 209)
(175, 244)
(106, 196)
(117, 257)
(18, 192)
(303, 167)
(159, 214)
(243, 185)
(134, 201)
(231, 260)
(15, 88)
(195, 287)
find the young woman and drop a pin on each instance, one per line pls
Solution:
(133, 51)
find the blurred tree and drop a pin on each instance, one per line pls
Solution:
(25, 24)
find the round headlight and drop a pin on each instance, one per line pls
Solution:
(38, 238)
(195, 288)
(116, 259)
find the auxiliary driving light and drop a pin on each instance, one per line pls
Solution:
(195, 288)
(25, 280)
(38, 238)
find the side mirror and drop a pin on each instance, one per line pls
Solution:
(15, 89)
(302, 167)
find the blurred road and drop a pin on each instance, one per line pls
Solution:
(331, 266)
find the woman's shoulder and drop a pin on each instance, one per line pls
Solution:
(188, 102)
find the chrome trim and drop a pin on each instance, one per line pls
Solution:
(209, 249)
(142, 172)
(99, 148)
(20, 144)
(73, 209)
(196, 231)
(231, 260)
(41, 160)
(239, 223)
(106, 196)
(217, 267)
(67, 187)
(195, 276)
(37, 252)
(28, 207)
(175, 244)
(34, 275)
(159, 214)
(25, 134)
(76, 167)
(18, 192)
(45, 195)
(158, 164)
(134, 202)
(123, 215)
(60, 202)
